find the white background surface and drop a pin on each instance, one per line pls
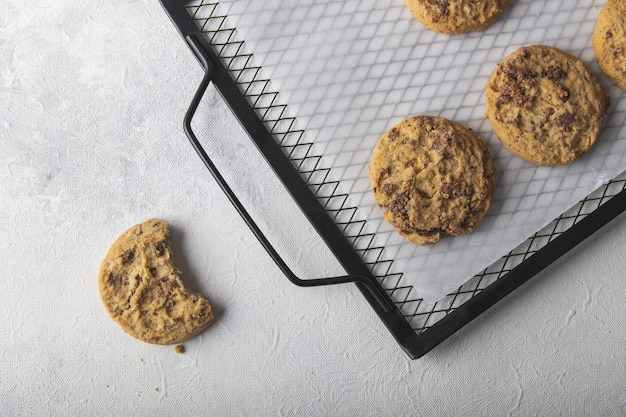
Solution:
(91, 102)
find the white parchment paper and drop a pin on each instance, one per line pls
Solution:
(351, 69)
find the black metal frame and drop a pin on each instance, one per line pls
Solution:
(415, 345)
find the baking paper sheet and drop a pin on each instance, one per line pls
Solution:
(350, 69)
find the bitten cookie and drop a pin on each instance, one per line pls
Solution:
(457, 16)
(142, 290)
(545, 106)
(609, 41)
(433, 176)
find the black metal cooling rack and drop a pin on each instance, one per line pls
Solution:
(416, 325)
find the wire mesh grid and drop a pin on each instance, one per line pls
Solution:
(274, 113)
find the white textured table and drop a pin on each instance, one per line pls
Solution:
(91, 103)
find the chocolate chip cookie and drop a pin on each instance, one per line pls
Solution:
(545, 105)
(142, 290)
(609, 41)
(432, 176)
(457, 16)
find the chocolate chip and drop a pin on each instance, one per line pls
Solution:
(400, 205)
(554, 73)
(388, 189)
(428, 123)
(524, 53)
(159, 249)
(516, 80)
(408, 230)
(443, 7)
(447, 154)
(128, 256)
(428, 233)
(565, 121)
(450, 190)
(393, 134)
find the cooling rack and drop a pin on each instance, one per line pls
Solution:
(417, 325)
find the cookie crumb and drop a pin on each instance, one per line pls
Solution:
(156, 389)
(180, 349)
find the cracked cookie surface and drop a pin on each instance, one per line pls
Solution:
(433, 176)
(142, 290)
(457, 16)
(609, 41)
(545, 105)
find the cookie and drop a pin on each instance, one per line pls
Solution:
(142, 290)
(457, 16)
(609, 41)
(432, 176)
(545, 105)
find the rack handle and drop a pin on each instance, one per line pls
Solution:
(368, 281)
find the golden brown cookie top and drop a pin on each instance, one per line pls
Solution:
(457, 16)
(433, 176)
(545, 105)
(142, 290)
(609, 41)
